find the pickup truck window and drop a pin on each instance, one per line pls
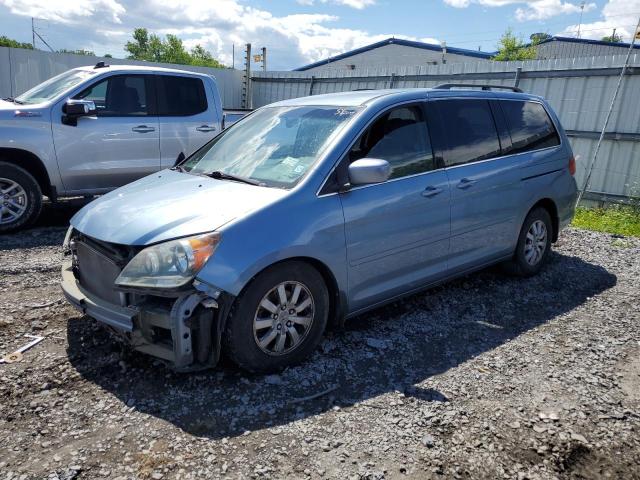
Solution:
(275, 146)
(180, 96)
(54, 86)
(119, 96)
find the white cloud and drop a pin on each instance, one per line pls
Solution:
(358, 4)
(619, 14)
(291, 40)
(66, 11)
(530, 10)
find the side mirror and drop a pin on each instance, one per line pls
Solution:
(369, 170)
(74, 109)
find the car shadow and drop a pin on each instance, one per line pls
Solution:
(393, 348)
(49, 229)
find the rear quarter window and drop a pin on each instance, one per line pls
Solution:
(529, 125)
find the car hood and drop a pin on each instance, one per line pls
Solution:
(168, 205)
(8, 109)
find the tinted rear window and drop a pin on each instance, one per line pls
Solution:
(529, 125)
(180, 96)
(470, 131)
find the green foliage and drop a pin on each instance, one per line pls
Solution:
(618, 219)
(78, 52)
(614, 37)
(9, 42)
(536, 38)
(512, 48)
(152, 48)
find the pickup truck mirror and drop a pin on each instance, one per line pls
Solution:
(73, 109)
(369, 170)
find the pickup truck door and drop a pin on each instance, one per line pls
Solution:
(188, 115)
(117, 145)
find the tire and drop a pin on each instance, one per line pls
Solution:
(250, 323)
(528, 259)
(18, 187)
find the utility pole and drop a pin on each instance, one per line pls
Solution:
(233, 55)
(246, 79)
(264, 59)
(581, 12)
(33, 35)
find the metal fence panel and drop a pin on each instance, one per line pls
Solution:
(21, 69)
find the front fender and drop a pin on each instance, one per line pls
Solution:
(291, 228)
(32, 135)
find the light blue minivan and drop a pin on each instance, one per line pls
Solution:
(314, 210)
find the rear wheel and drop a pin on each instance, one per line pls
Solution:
(279, 319)
(534, 244)
(20, 198)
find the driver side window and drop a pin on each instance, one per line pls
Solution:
(401, 138)
(118, 96)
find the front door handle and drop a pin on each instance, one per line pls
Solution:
(205, 128)
(143, 129)
(431, 191)
(466, 183)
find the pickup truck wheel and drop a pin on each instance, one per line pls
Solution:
(279, 319)
(534, 244)
(20, 198)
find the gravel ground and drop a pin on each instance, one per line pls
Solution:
(485, 377)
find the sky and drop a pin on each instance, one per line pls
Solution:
(298, 32)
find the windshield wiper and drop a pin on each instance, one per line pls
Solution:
(13, 100)
(218, 175)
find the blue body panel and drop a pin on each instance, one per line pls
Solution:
(376, 241)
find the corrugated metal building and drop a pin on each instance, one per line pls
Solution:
(395, 52)
(565, 47)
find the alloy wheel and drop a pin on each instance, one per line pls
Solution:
(283, 318)
(13, 201)
(535, 242)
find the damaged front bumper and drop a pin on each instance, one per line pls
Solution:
(184, 331)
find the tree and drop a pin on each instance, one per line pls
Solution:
(152, 48)
(537, 38)
(10, 42)
(512, 48)
(615, 38)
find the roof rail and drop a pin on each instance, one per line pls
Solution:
(100, 64)
(449, 86)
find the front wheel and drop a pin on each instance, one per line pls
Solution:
(534, 244)
(279, 319)
(20, 198)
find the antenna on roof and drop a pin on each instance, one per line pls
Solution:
(100, 64)
(581, 12)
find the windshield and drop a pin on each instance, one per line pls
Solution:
(275, 146)
(54, 86)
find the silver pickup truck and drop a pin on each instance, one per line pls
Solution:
(92, 129)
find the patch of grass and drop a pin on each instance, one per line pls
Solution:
(623, 220)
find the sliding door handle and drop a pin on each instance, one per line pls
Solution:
(466, 183)
(431, 191)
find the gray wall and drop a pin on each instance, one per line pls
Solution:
(560, 49)
(579, 90)
(21, 69)
(392, 56)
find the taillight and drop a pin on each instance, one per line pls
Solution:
(572, 165)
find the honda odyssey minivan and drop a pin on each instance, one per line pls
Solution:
(314, 210)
